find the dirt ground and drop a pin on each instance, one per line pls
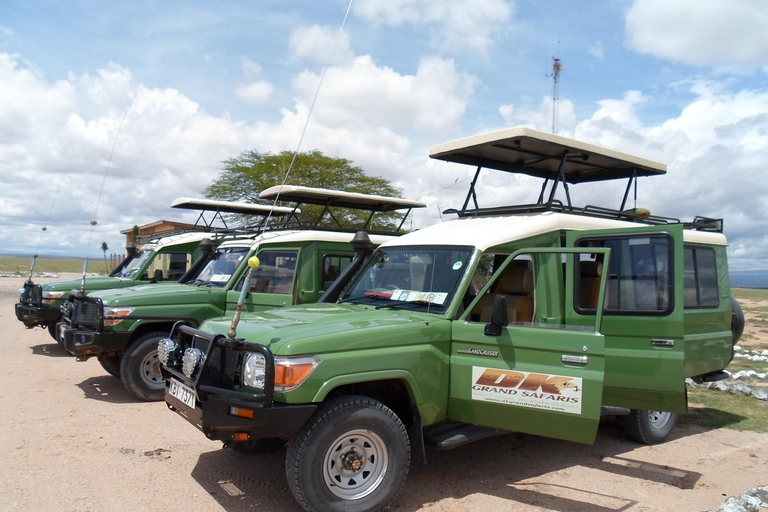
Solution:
(72, 439)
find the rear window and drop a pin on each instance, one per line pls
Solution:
(700, 278)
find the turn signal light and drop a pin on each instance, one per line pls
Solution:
(240, 436)
(241, 413)
(290, 372)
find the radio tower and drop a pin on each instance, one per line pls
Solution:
(557, 66)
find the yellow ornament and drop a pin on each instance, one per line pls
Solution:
(253, 261)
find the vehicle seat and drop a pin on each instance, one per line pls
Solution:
(589, 283)
(516, 283)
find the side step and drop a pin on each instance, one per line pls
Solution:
(608, 410)
(710, 377)
(453, 435)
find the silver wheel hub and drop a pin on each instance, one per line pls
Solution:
(355, 464)
(150, 371)
(659, 419)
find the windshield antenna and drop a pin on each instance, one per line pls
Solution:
(236, 318)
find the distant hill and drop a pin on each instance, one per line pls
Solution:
(749, 279)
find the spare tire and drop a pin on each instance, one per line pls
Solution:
(737, 321)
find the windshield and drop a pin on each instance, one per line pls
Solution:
(136, 263)
(417, 278)
(222, 265)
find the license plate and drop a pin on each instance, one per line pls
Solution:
(182, 392)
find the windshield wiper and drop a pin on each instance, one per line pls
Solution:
(375, 297)
(397, 303)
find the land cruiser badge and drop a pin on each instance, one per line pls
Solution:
(525, 389)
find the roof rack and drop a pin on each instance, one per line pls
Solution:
(557, 160)
(337, 198)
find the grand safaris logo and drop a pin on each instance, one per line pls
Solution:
(526, 389)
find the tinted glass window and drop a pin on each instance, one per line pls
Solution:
(274, 273)
(700, 278)
(333, 266)
(639, 276)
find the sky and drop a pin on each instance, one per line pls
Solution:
(111, 110)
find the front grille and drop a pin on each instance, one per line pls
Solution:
(84, 313)
(32, 294)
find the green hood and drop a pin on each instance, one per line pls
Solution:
(91, 284)
(153, 295)
(322, 328)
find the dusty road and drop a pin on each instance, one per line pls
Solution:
(71, 439)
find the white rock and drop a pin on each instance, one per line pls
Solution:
(737, 347)
(760, 394)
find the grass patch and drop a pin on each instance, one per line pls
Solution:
(717, 409)
(745, 364)
(750, 293)
(21, 265)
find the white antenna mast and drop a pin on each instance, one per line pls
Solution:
(557, 66)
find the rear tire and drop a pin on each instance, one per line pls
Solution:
(111, 364)
(140, 368)
(737, 321)
(52, 331)
(649, 427)
(353, 455)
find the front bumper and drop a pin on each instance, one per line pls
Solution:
(214, 401)
(85, 344)
(33, 316)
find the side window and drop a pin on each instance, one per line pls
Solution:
(515, 283)
(639, 276)
(333, 266)
(274, 273)
(169, 266)
(700, 278)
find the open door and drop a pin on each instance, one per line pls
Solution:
(643, 317)
(530, 371)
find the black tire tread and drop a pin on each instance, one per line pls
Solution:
(636, 427)
(128, 377)
(111, 364)
(340, 405)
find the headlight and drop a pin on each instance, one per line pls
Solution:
(254, 370)
(290, 372)
(113, 316)
(49, 296)
(165, 348)
(190, 361)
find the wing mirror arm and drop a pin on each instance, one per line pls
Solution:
(499, 316)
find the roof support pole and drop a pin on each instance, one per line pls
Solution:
(543, 188)
(203, 218)
(629, 187)
(471, 192)
(407, 213)
(368, 221)
(560, 177)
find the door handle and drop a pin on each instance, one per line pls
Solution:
(662, 343)
(566, 358)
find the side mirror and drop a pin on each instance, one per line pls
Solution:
(499, 317)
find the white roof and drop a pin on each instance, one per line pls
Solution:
(187, 203)
(486, 232)
(527, 151)
(181, 238)
(339, 198)
(300, 236)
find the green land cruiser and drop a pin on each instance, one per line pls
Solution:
(299, 261)
(164, 258)
(535, 318)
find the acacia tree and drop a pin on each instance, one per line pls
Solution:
(105, 248)
(246, 175)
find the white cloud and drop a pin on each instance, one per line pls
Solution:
(255, 92)
(363, 93)
(540, 116)
(597, 50)
(453, 24)
(250, 68)
(726, 35)
(316, 43)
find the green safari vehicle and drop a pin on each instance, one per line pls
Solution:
(536, 318)
(163, 258)
(300, 259)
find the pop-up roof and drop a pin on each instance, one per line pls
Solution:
(211, 205)
(527, 151)
(337, 198)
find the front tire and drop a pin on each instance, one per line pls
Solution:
(52, 331)
(352, 455)
(140, 368)
(649, 427)
(111, 364)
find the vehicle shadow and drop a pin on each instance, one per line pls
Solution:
(50, 350)
(507, 467)
(107, 388)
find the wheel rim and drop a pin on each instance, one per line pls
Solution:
(150, 371)
(659, 419)
(355, 464)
